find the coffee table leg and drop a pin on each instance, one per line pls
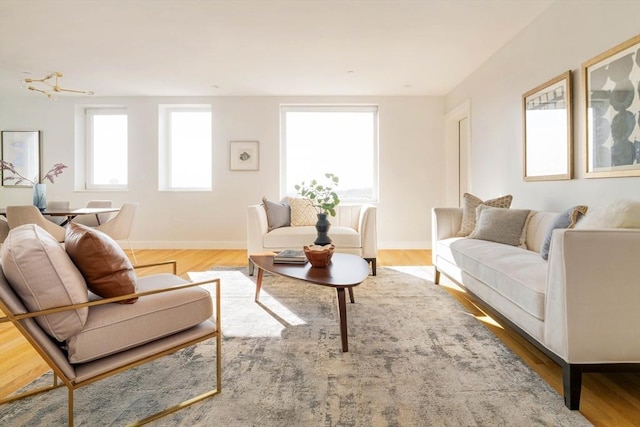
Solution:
(259, 283)
(351, 295)
(342, 310)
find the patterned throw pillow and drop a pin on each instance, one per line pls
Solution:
(500, 225)
(302, 212)
(471, 203)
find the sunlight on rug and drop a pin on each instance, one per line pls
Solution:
(241, 315)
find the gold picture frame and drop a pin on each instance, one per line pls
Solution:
(547, 117)
(612, 101)
(22, 150)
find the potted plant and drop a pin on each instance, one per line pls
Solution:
(324, 199)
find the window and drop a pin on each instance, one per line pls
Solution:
(185, 147)
(342, 140)
(106, 148)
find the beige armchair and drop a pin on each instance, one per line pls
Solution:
(353, 230)
(44, 295)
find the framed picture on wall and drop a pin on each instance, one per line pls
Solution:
(612, 106)
(547, 127)
(244, 156)
(20, 158)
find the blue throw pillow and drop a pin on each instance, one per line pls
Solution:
(566, 219)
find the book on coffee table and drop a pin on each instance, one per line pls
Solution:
(290, 256)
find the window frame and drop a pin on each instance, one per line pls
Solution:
(165, 164)
(286, 108)
(89, 113)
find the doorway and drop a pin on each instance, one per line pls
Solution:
(457, 154)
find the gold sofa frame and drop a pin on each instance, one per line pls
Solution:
(58, 373)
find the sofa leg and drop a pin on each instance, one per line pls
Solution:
(436, 279)
(251, 268)
(572, 384)
(372, 261)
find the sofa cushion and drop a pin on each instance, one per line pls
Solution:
(470, 204)
(112, 328)
(302, 212)
(501, 225)
(517, 274)
(297, 237)
(101, 261)
(566, 219)
(43, 276)
(278, 214)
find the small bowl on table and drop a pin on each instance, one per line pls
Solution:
(319, 256)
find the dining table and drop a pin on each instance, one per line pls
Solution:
(72, 213)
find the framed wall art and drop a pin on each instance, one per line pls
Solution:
(21, 153)
(547, 127)
(244, 155)
(612, 106)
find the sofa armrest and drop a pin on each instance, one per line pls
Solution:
(592, 307)
(368, 228)
(257, 227)
(445, 223)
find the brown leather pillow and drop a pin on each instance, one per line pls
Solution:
(104, 265)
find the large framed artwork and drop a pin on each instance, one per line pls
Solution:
(612, 105)
(244, 156)
(21, 158)
(547, 128)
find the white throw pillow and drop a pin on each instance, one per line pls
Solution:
(618, 214)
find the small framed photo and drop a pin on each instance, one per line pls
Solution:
(244, 155)
(612, 105)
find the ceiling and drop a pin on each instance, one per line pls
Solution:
(254, 47)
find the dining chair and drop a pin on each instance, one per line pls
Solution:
(29, 214)
(94, 220)
(57, 205)
(119, 227)
(4, 229)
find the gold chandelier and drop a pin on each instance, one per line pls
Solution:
(54, 87)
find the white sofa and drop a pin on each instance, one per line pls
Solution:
(353, 231)
(581, 307)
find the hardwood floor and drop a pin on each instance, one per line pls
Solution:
(608, 399)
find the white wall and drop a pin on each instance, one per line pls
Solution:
(567, 34)
(410, 129)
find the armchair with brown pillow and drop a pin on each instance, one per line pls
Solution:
(84, 337)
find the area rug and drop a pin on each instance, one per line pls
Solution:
(416, 358)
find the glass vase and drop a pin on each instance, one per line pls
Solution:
(40, 196)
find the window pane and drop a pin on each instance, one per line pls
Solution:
(190, 149)
(333, 140)
(109, 151)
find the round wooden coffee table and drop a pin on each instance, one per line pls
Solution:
(345, 271)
